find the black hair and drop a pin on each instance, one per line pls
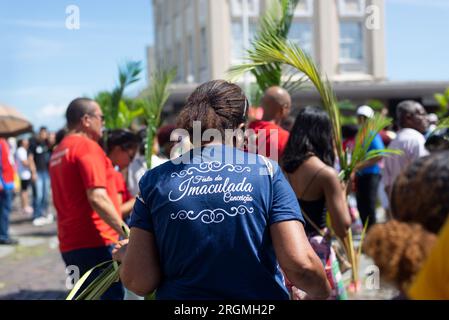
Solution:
(438, 141)
(311, 136)
(123, 138)
(76, 110)
(349, 131)
(60, 135)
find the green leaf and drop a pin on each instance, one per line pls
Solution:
(158, 95)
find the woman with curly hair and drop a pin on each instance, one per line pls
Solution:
(420, 203)
(399, 250)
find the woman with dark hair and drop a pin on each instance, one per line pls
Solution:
(309, 165)
(121, 148)
(215, 222)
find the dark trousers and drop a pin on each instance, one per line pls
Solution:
(6, 197)
(367, 186)
(86, 259)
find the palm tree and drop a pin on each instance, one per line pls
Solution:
(157, 96)
(120, 111)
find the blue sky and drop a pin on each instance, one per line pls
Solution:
(43, 65)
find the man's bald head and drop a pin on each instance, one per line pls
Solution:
(276, 103)
(77, 109)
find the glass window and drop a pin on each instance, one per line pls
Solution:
(351, 8)
(304, 8)
(190, 20)
(301, 33)
(179, 27)
(190, 60)
(351, 42)
(237, 45)
(180, 62)
(168, 35)
(237, 8)
(203, 44)
(203, 9)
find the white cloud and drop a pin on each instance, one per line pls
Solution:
(51, 111)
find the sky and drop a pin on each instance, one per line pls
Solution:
(44, 65)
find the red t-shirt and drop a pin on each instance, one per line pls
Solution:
(7, 168)
(270, 136)
(121, 186)
(78, 164)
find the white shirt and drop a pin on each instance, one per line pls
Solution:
(137, 169)
(24, 171)
(412, 144)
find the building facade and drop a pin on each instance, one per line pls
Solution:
(346, 38)
(203, 38)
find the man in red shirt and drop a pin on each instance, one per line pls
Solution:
(89, 223)
(6, 193)
(270, 139)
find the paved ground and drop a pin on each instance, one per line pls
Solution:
(34, 270)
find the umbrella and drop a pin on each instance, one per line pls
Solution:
(12, 123)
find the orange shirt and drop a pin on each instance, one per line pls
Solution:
(270, 139)
(78, 164)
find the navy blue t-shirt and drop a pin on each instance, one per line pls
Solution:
(210, 216)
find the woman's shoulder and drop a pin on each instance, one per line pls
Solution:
(323, 172)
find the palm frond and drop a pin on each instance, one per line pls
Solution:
(443, 124)
(158, 95)
(128, 74)
(364, 139)
(278, 50)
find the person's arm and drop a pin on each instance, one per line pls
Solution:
(102, 204)
(32, 167)
(376, 144)
(140, 271)
(298, 259)
(336, 202)
(367, 164)
(127, 207)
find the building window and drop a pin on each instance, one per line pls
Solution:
(301, 33)
(237, 43)
(204, 64)
(203, 11)
(180, 62)
(190, 61)
(237, 8)
(190, 17)
(304, 8)
(351, 46)
(168, 35)
(351, 8)
(178, 27)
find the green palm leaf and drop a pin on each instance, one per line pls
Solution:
(158, 95)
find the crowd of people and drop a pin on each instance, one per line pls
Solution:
(24, 170)
(231, 221)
